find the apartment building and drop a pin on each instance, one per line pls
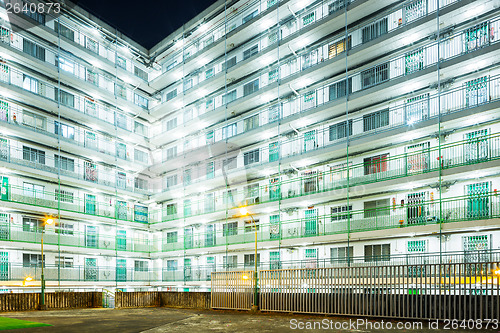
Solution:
(355, 132)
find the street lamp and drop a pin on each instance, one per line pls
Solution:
(244, 212)
(47, 221)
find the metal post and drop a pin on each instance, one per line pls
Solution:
(255, 306)
(42, 281)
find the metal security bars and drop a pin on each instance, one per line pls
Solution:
(460, 291)
(232, 290)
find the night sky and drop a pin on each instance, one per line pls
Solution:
(153, 20)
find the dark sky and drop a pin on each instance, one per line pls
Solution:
(148, 21)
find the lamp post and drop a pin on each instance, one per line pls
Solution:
(255, 307)
(47, 221)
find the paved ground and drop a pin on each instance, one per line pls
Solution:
(159, 320)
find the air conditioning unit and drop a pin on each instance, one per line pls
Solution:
(293, 231)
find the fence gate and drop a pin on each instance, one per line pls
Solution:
(232, 290)
(423, 291)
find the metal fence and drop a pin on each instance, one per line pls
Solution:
(425, 291)
(232, 290)
(429, 291)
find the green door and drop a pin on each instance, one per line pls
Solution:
(476, 147)
(210, 267)
(210, 235)
(121, 240)
(121, 270)
(4, 226)
(4, 195)
(187, 270)
(4, 266)
(478, 201)
(188, 238)
(311, 222)
(309, 140)
(4, 111)
(90, 204)
(90, 269)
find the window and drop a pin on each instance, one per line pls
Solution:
(309, 97)
(33, 49)
(139, 128)
(34, 15)
(33, 155)
(375, 164)
(210, 170)
(477, 145)
(90, 171)
(172, 209)
(209, 203)
(229, 198)
(375, 120)
(92, 77)
(336, 48)
(171, 265)
(251, 157)
(121, 120)
(379, 252)
(209, 73)
(187, 207)
(31, 84)
(272, 38)
(140, 73)
(339, 90)
(209, 104)
(417, 157)
(273, 75)
(249, 225)
(340, 213)
(171, 124)
(172, 237)
(417, 109)
(65, 98)
(64, 228)
(229, 97)
(415, 10)
(476, 91)
(228, 131)
(230, 229)
(141, 184)
(249, 16)
(64, 31)
(64, 130)
(121, 180)
(341, 254)
(230, 261)
(141, 214)
(274, 228)
(120, 90)
(32, 224)
(121, 150)
(64, 262)
(90, 107)
(476, 248)
(171, 181)
(340, 130)
(476, 37)
(188, 84)
(274, 151)
(230, 63)
(32, 260)
(171, 95)
(308, 19)
(310, 140)
(91, 45)
(140, 266)
(170, 66)
(250, 87)
(373, 76)
(250, 260)
(374, 30)
(171, 153)
(65, 64)
(250, 52)
(63, 196)
(208, 41)
(251, 122)
(271, 3)
(414, 61)
(140, 156)
(251, 191)
(376, 208)
(141, 101)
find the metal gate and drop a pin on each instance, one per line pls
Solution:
(438, 291)
(232, 290)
